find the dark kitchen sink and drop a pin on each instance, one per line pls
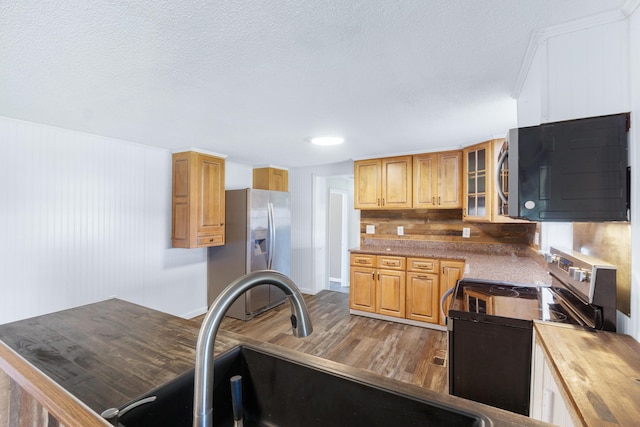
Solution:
(281, 392)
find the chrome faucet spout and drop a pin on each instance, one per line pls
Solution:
(300, 323)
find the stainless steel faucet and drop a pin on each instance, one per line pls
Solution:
(300, 322)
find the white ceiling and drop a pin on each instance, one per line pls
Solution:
(255, 79)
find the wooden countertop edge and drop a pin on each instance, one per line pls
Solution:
(574, 410)
(596, 372)
(64, 407)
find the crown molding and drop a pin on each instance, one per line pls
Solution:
(199, 150)
(540, 36)
(630, 6)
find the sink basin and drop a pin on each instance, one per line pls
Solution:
(281, 392)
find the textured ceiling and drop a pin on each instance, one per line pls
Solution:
(255, 79)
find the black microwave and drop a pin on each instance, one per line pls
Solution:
(571, 171)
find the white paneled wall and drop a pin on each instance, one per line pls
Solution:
(586, 72)
(581, 73)
(84, 218)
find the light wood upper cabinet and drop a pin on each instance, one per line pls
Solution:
(477, 182)
(383, 183)
(436, 180)
(368, 184)
(271, 179)
(198, 200)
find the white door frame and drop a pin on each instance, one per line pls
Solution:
(344, 238)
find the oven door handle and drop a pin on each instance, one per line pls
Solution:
(443, 299)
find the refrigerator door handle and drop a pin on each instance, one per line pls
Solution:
(272, 236)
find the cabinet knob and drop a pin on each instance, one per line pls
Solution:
(211, 240)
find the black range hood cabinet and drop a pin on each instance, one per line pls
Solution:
(571, 171)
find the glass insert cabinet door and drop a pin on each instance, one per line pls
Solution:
(476, 180)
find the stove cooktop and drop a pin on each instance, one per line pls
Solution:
(510, 300)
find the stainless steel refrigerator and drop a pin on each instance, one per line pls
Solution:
(257, 237)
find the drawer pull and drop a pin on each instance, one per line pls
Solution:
(363, 261)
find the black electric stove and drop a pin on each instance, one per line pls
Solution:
(490, 325)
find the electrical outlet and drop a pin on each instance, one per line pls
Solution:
(400, 230)
(466, 232)
(371, 229)
(536, 239)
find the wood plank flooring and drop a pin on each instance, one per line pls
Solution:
(406, 353)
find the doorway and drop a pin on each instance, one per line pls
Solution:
(327, 245)
(338, 239)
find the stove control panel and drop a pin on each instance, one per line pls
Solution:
(576, 270)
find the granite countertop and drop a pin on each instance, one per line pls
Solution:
(508, 263)
(108, 353)
(600, 372)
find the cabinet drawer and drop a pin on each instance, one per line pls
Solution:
(213, 240)
(391, 262)
(363, 260)
(425, 265)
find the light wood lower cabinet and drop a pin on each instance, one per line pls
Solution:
(423, 289)
(450, 272)
(407, 288)
(422, 296)
(362, 289)
(390, 295)
(378, 284)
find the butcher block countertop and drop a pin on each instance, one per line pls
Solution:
(111, 352)
(106, 353)
(600, 371)
(507, 263)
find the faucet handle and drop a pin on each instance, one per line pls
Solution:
(112, 414)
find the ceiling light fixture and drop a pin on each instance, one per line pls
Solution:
(327, 140)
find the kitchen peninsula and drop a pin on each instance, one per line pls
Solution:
(108, 353)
